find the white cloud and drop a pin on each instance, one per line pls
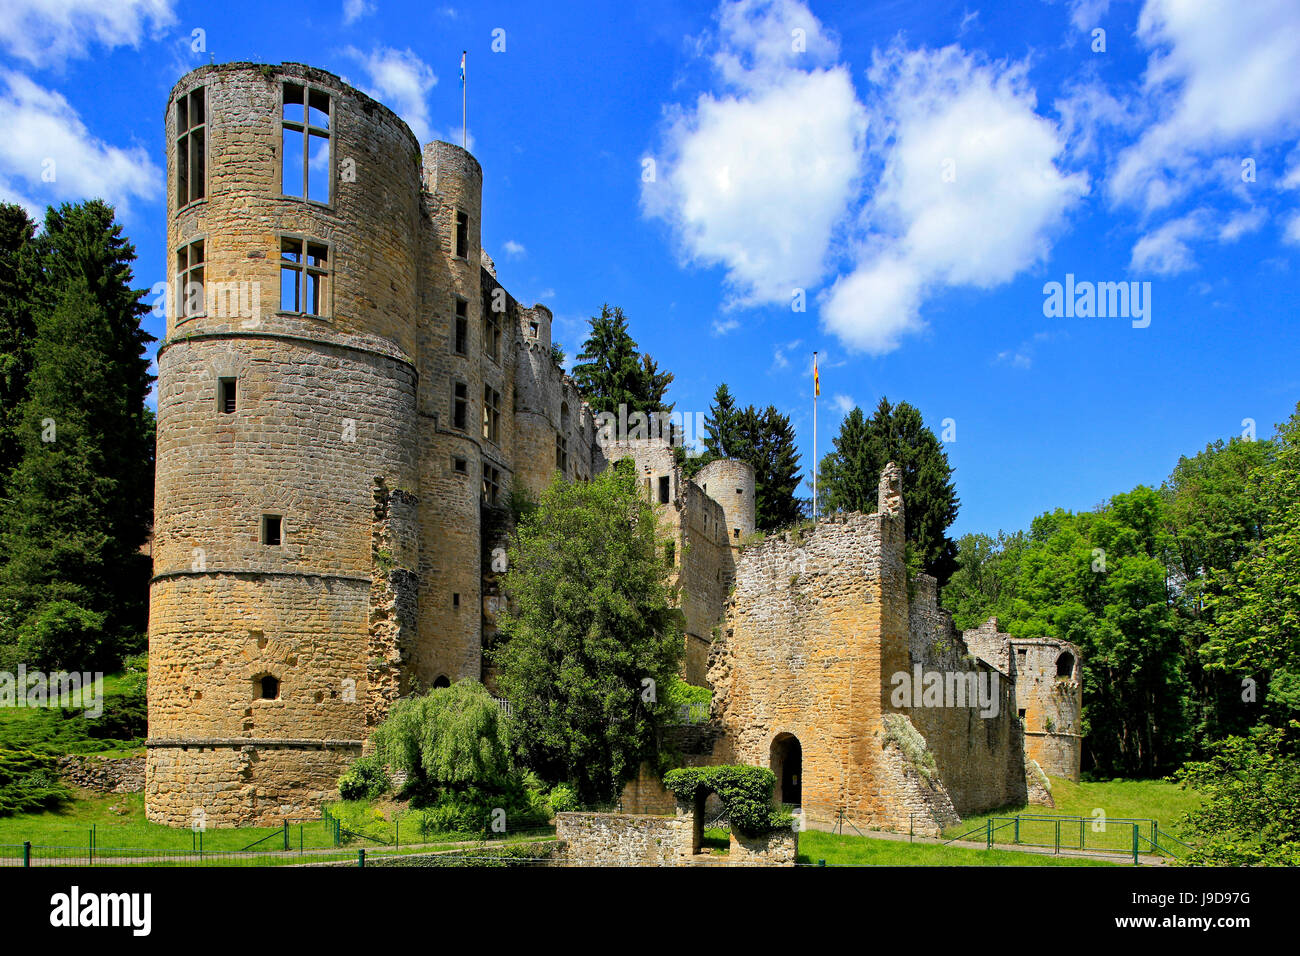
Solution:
(401, 81)
(1087, 14)
(49, 151)
(1240, 224)
(779, 356)
(1292, 232)
(1220, 74)
(49, 32)
(756, 178)
(970, 193)
(844, 403)
(513, 248)
(1165, 251)
(354, 10)
(722, 326)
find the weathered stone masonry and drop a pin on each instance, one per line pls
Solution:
(334, 471)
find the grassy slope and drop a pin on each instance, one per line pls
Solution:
(839, 850)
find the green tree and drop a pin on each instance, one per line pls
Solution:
(612, 372)
(1250, 812)
(1212, 521)
(79, 500)
(17, 327)
(721, 425)
(1257, 605)
(450, 737)
(766, 440)
(984, 578)
(850, 479)
(589, 624)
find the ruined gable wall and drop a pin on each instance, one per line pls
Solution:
(980, 758)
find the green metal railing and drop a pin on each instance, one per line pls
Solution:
(1130, 836)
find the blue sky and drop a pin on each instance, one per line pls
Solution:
(920, 170)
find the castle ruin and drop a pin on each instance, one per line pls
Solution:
(347, 397)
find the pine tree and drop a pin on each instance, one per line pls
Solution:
(720, 424)
(79, 502)
(16, 327)
(766, 440)
(850, 476)
(612, 372)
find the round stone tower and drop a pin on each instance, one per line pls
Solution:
(730, 483)
(464, 403)
(286, 439)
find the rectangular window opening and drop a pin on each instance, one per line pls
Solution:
(491, 414)
(226, 395)
(460, 405)
(460, 466)
(271, 530)
(462, 235)
(191, 146)
(664, 488)
(190, 293)
(306, 170)
(304, 277)
(462, 327)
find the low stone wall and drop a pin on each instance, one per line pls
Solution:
(624, 839)
(778, 848)
(103, 774)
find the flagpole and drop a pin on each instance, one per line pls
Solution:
(464, 87)
(816, 390)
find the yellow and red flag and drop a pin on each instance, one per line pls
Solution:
(817, 383)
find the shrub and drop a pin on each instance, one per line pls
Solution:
(451, 736)
(29, 781)
(366, 779)
(746, 793)
(563, 798)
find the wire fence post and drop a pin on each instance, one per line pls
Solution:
(1017, 829)
(1080, 833)
(1058, 837)
(910, 830)
(988, 834)
(397, 835)
(1135, 843)
(361, 856)
(286, 836)
(27, 853)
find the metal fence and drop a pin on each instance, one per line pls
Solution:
(1128, 836)
(319, 841)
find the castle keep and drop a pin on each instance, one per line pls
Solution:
(347, 397)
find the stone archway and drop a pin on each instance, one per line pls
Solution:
(786, 761)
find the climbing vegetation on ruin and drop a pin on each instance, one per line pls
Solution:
(900, 732)
(746, 794)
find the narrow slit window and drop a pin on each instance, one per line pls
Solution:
(460, 406)
(306, 170)
(491, 414)
(271, 528)
(462, 235)
(190, 293)
(455, 599)
(191, 146)
(462, 327)
(561, 453)
(226, 400)
(491, 326)
(664, 489)
(304, 277)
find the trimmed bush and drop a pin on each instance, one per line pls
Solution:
(746, 793)
(29, 781)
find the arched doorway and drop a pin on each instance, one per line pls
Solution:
(787, 764)
(441, 682)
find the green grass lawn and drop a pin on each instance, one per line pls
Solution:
(1118, 800)
(839, 850)
(53, 730)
